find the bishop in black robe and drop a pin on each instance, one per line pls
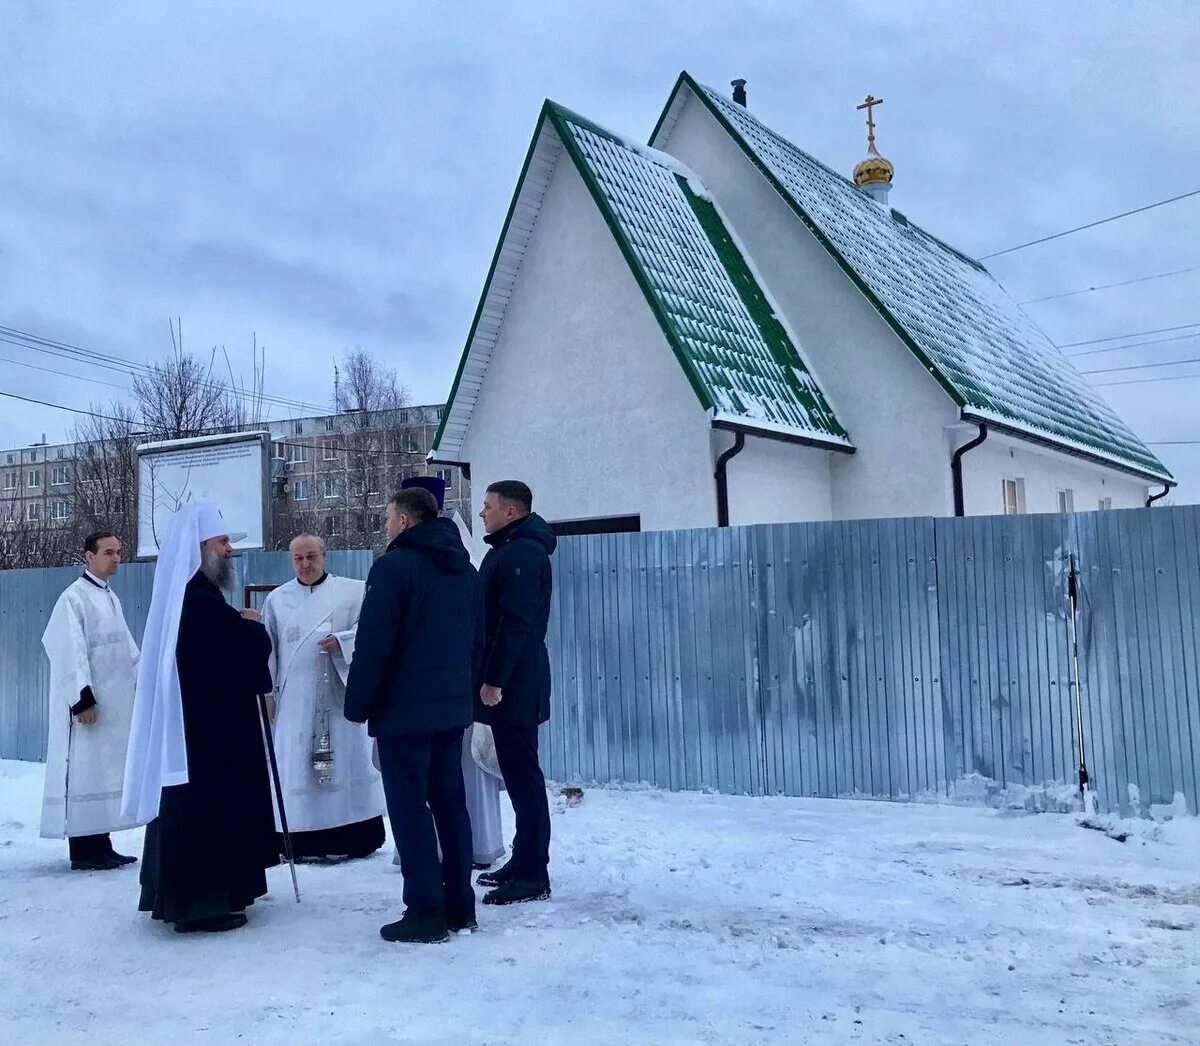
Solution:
(206, 853)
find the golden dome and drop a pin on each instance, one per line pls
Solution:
(874, 170)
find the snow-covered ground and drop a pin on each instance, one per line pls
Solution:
(675, 919)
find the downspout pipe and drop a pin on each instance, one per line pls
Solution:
(739, 444)
(960, 508)
(1158, 497)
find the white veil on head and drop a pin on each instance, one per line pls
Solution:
(157, 754)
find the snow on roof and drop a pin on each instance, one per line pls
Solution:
(952, 313)
(740, 358)
(201, 441)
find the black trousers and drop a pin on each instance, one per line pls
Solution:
(89, 847)
(517, 753)
(423, 785)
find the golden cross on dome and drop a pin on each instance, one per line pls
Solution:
(869, 105)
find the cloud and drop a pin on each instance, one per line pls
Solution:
(325, 177)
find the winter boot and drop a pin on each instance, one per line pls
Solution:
(518, 891)
(417, 929)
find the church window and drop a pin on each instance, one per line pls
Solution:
(1066, 500)
(1106, 504)
(1014, 496)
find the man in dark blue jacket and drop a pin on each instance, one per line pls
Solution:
(412, 682)
(515, 696)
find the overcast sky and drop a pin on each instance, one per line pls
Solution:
(325, 176)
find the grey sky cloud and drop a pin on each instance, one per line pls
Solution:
(324, 176)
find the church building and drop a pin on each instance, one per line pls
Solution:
(717, 329)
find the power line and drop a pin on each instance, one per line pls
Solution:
(1131, 334)
(1109, 286)
(1132, 345)
(1144, 366)
(1172, 442)
(120, 364)
(1089, 225)
(1142, 381)
(62, 373)
(60, 406)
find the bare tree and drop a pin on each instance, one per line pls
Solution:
(35, 542)
(104, 492)
(182, 396)
(372, 437)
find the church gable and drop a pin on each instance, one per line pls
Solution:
(992, 360)
(739, 358)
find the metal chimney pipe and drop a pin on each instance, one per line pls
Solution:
(739, 91)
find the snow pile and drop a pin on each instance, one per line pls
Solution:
(676, 919)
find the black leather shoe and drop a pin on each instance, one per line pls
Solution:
(96, 864)
(215, 924)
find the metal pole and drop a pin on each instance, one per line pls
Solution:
(287, 839)
(1073, 595)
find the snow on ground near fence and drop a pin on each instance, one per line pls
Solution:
(677, 918)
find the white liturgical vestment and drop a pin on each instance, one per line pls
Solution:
(88, 644)
(306, 679)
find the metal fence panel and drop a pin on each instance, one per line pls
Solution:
(886, 658)
(1140, 667)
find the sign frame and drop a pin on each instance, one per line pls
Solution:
(148, 450)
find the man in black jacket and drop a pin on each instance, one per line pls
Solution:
(515, 696)
(411, 681)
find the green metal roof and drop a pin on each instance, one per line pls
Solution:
(742, 362)
(994, 361)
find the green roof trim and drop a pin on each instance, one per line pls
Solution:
(955, 318)
(783, 352)
(736, 353)
(740, 360)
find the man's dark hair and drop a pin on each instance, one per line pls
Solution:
(91, 543)
(514, 492)
(416, 503)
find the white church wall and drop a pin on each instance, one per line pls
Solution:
(1042, 474)
(896, 414)
(583, 398)
(774, 482)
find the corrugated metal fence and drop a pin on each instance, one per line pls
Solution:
(889, 658)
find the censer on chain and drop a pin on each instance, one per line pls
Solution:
(322, 739)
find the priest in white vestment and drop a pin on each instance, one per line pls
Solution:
(332, 793)
(93, 672)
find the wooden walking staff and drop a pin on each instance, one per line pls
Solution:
(248, 600)
(287, 838)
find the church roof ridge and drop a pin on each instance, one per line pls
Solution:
(948, 309)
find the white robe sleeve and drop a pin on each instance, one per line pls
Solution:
(343, 657)
(271, 623)
(65, 643)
